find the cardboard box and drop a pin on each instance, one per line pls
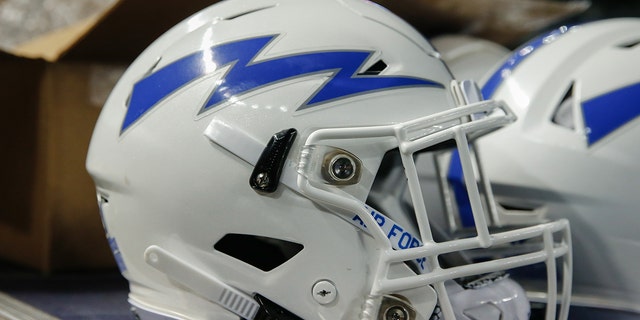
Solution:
(52, 89)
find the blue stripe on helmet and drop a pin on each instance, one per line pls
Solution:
(518, 55)
(606, 113)
(459, 188)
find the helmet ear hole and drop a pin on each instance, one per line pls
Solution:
(263, 253)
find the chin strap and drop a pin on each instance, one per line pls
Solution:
(201, 283)
(214, 290)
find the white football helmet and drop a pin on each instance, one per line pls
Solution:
(469, 57)
(573, 151)
(234, 159)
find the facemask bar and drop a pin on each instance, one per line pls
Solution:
(467, 92)
(461, 125)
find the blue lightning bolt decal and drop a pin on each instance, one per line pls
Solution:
(245, 75)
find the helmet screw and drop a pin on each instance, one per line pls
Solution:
(324, 292)
(343, 168)
(396, 313)
(262, 180)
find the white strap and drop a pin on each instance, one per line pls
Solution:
(203, 284)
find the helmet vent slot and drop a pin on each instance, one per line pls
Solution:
(263, 253)
(374, 69)
(517, 207)
(629, 45)
(246, 13)
(563, 115)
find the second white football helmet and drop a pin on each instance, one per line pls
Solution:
(573, 151)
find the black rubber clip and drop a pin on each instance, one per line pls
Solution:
(266, 174)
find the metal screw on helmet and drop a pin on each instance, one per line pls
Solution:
(262, 180)
(324, 292)
(396, 313)
(341, 168)
(396, 307)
